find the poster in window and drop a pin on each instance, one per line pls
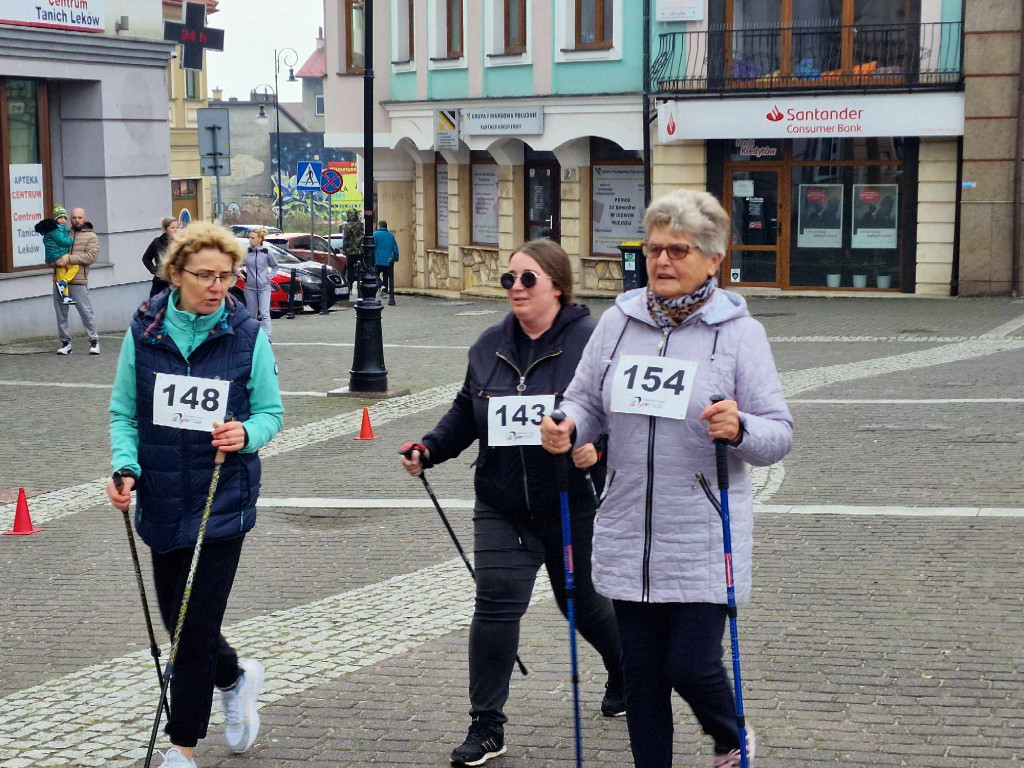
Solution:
(820, 216)
(441, 176)
(618, 206)
(875, 208)
(27, 208)
(485, 204)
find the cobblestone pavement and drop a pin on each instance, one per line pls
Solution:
(881, 640)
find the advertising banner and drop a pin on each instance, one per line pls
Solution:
(441, 177)
(349, 196)
(485, 204)
(27, 207)
(618, 206)
(680, 10)
(820, 218)
(76, 15)
(503, 121)
(875, 208)
(446, 130)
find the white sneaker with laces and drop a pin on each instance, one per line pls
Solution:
(732, 760)
(173, 758)
(241, 718)
(65, 349)
(94, 347)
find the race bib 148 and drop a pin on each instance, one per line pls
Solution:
(189, 402)
(653, 386)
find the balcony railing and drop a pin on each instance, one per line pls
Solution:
(812, 57)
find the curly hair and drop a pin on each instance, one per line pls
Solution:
(195, 237)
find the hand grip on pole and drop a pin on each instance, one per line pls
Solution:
(558, 416)
(721, 453)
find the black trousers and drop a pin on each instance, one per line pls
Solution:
(674, 646)
(508, 557)
(204, 657)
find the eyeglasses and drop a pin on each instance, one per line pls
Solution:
(206, 279)
(528, 279)
(675, 252)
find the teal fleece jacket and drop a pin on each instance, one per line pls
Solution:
(188, 332)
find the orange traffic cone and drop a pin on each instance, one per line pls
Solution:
(366, 431)
(22, 519)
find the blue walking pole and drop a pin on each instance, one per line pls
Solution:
(558, 417)
(722, 506)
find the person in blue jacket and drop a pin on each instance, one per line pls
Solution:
(385, 249)
(196, 330)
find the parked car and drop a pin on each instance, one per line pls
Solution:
(278, 293)
(307, 275)
(321, 252)
(243, 230)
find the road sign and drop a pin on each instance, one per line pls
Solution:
(184, 218)
(330, 181)
(308, 175)
(214, 141)
(194, 36)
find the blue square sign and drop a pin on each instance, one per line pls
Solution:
(308, 175)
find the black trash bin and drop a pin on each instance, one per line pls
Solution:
(634, 266)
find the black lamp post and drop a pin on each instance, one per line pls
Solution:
(368, 373)
(290, 58)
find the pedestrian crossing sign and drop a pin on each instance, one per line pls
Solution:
(308, 175)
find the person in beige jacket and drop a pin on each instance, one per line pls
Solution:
(84, 251)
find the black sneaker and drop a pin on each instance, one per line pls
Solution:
(483, 742)
(614, 702)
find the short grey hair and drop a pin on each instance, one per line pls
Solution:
(697, 214)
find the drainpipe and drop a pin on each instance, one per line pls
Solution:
(646, 117)
(1018, 215)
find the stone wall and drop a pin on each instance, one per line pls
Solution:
(437, 270)
(601, 273)
(480, 267)
(936, 212)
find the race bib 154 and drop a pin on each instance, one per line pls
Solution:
(653, 386)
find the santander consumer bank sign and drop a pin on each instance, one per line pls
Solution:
(889, 114)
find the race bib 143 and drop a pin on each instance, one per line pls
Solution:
(653, 386)
(189, 402)
(516, 420)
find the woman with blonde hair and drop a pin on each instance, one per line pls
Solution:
(260, 266)
(196, 331)
(646, 379)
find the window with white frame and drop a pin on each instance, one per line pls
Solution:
(318, 107)
(403, 31)
(446, 33)
(355, 34)
(507, 35)
(588, 30)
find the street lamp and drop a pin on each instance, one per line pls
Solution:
(289, 57)
(368, 373)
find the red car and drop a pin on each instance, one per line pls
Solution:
(321, 252)
(278, 293)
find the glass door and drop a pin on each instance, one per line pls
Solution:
(757, 242)
(542, 202)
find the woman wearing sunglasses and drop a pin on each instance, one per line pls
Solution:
(516, 370)
(647, 378)
(193, 349)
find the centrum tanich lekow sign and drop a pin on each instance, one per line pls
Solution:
(73, 15)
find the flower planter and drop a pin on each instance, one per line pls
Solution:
(860, 281)
(833, 280)
(883, 281)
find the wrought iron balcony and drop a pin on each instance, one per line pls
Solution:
(820, 57)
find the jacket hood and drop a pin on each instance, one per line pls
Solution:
(86, 227)
(152, 315)
(45, 225)
(723, 306)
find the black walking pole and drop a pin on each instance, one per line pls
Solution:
(722, 507)
(406, 450)
(154, 649)
(391, 282)
(562, 463)
(218, 462)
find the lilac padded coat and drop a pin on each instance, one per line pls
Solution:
(657, 538)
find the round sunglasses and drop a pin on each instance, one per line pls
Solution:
(528, 279)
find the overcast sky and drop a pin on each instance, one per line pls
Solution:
(252, 30)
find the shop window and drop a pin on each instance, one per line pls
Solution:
(355, 36)
(183, 189)
(594, 24)
(25, 172)
(484, 185)
(441, 197)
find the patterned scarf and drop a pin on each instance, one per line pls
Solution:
(669, 313)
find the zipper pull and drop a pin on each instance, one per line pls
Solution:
(522, 385)
(664, 336)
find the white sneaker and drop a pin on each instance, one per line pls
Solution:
(94, 347)
(65, 350)
(241, 719)
(173, 758)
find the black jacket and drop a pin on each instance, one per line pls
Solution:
(151, 258)
(520, 481)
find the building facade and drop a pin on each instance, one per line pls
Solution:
(83, 123)
(859, 145)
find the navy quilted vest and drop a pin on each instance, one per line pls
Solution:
(177, 464)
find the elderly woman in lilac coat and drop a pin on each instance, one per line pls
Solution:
(646, 378)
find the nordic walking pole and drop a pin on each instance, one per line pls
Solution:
(154, 649)
(218, 462)
(722, 464)
(407, 452)
(562, 461)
